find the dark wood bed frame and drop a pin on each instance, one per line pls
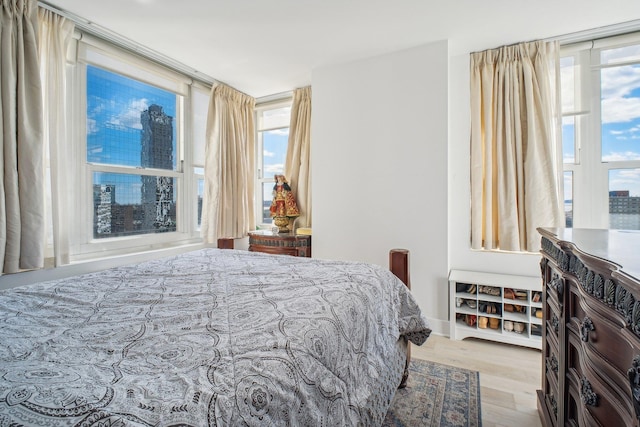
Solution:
(398, 264)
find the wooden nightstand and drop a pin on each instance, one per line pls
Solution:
(281, 244)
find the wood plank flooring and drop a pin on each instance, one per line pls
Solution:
(509, 376)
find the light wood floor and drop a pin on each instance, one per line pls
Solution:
(509, 376)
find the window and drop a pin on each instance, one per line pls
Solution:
(601, 133)
(140, 155)
(272, 125)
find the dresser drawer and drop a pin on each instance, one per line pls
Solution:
(593, 397)
(602, 338)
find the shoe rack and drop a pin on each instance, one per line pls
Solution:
(497, 307)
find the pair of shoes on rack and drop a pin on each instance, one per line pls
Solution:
(514, 308)
(471, 303)
(471, 289)
(537, 312)
(489, 308)
(536, 297)
(511, 326)
(489, 290)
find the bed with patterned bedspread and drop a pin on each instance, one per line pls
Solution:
(207, 338)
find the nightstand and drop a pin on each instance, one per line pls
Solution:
(281, 244)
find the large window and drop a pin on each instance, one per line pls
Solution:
(601, 133)
(272, 138)
(140, 153)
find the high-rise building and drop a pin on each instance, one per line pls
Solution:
(157, 153)
(104, 196)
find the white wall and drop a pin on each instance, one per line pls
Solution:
(461, 256)
(379, 165)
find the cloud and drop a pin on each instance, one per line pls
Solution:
(129, 117)
(273, 169)
(280, 132)
(620, 156)
(618, 84)
(267, 153)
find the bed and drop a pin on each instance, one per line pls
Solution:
(208, 338)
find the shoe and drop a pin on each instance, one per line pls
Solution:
(539, 313)
(458, 302)
(470, 319)
(471, 289)
(508, 325)
(521, 294)
(536, 297)
(471, 303)
(491, 290)
(509, 308)
(518, 327)
(509, 293)
(494, 323)
(482, 322)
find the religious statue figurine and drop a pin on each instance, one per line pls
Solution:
(283, 206)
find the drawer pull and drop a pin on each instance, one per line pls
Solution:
(585, 327)
(552, 363)
(634, 381)
(588, 396)
(555, 323)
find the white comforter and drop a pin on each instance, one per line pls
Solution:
(212, 337)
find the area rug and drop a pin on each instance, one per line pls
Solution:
(436, 395)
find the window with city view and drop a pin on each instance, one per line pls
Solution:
(273, 137)
(131, 150)
(601, 133)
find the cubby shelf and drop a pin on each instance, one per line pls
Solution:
(514, 320)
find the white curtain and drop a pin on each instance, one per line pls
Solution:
(55, 33)
(515, 173)
(22, 172)
(229, 171)
(297, 162)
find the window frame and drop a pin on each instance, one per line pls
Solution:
(590, 173)
(88, 50)
(261, 179)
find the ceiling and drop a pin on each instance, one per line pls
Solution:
(265, 47)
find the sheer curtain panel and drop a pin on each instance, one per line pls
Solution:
(515, 185)
(297, 162)
(22, 177)
(229, 171)
(55, 33)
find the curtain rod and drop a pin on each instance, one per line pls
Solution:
(597, 33)
(129, 45)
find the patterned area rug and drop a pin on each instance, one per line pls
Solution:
(436, 395)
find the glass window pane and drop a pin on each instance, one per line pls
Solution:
(568, 139)
(624, 199)
(274, 118)
(620, 54)
(126, 204)
(567, 83)
(200, 196)
(620, 109)
(568, 198)
(267, 196)
(129, 123)
(199, 109)
(274, 152)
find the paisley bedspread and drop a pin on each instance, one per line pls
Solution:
(207, 338)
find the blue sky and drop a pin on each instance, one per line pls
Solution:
(114, 105)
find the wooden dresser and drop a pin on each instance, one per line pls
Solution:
(281, 244)
(591, 328)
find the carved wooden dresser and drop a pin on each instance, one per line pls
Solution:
(591, 328)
